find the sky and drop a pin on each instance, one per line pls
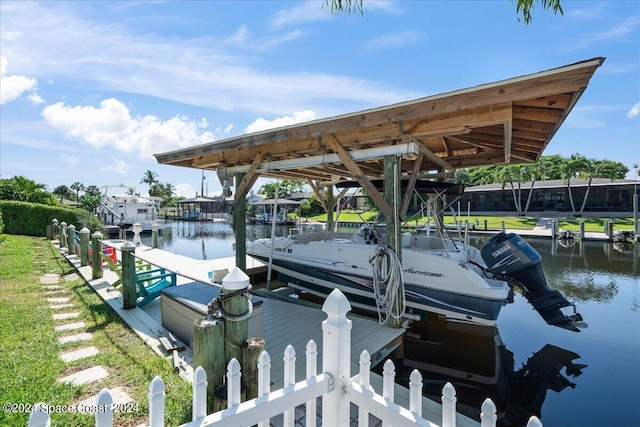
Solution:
(90, 90)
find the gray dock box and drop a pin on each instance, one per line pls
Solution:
(181, 305)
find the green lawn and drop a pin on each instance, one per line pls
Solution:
(30, 362)
(493, 222)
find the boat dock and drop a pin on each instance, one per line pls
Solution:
(285, 321)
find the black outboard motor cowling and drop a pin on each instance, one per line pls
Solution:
(510, 257)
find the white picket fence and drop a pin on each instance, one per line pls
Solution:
(335, 386)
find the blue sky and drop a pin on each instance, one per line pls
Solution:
(91, 90)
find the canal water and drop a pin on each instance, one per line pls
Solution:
(589, 378)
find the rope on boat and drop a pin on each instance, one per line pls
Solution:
(388, 283)
(215, 308)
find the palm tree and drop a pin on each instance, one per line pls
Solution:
(78, 187)
(149, 178)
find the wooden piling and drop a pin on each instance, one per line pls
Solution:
(71, 229)
(96, 259)
(128, 250)
(240, 227)
(154, 237)
(63, 235)
(235, 332)
(84, 246)
(208, 352)
(254, 346)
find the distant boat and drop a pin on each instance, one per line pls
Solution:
(624, 236)
(566, 234)
(124, 210)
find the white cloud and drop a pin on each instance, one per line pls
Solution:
(111, 125)
(35, 99)
(111, 57)
(388, 41)
(297, 117)
(69, 159)
(185, 190)
(11, 87)
(634, 111)
(307, 11)
(118, 166)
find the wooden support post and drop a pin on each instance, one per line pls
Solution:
(154, 237)
(582, 230)
(54, 222)
(129, 293)
(235, 332)
(392, 196)
(63, 235)
(96, 259)
(71, 229)
(254, 347)
(330, 207)
(240, 227)
(84, 246)
(208, 352)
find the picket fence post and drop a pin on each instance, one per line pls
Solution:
(488, 417)
(104, 406)
(312, 371)
(365, 383)
(39, 416)
(199, 387)
(233, 383)
(156, 402)
(289, 359)
(534, 422)
(448, 405)
(336, 341)
(388, 380)
(415, 392)
(264, 379)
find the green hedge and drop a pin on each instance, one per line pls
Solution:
(31, 219)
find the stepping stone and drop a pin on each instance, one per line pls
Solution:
(58, 300)
(81, 353)
(120, 397)
(50, 279)
(85, 377)
(71, 277)
(53, 287)
(83, 336)
(56, 292)
(69, 327)
(63, 316)
(60, 307)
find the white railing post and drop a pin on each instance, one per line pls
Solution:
(488, 417)
(104, 413)
(415, 392)
(199, 387)
(312, 371)
(39, 416)
(233, 383)
(534, 422)
(364, 379)
(336, 354)
(156, 403)
(289, 380)
(448, 405)
(264, 380)
(388, 383)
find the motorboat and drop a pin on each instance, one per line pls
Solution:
(566, 234)
(126, 209)
(436, 274)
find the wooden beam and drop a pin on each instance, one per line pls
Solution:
(317, 192)
(432, 156)
(507, 142)
(358, 175)
(242, 188)
(406, 199)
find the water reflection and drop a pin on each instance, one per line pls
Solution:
(479, 365)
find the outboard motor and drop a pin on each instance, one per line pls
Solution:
(511, 258)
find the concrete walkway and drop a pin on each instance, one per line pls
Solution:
(544, 228)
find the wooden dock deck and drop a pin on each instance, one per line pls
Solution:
(285, 322)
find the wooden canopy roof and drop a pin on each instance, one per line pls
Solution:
(510, 121)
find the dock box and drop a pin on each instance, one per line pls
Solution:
(181, 305)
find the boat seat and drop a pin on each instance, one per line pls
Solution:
(150, 284)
